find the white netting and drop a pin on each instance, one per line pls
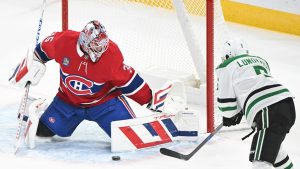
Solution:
(147, 35)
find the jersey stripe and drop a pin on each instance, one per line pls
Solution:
(266, 96)
(286, 159)
(265, 117)
(257, 91)
(225, 100)
(127, 106)
(133, 85)
(228, 106)
(223, 109)
(261, 137)
(41, 54)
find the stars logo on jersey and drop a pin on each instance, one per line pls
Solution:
(66, 61)
(80, 85)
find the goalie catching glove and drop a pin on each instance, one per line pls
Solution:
(232, 121)
(29, 70)
(159, 96)
(171, 93)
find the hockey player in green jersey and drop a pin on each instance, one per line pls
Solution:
(247, 88)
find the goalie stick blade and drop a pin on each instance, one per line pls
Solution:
(174, 154)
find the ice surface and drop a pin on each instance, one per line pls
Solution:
(89, 148)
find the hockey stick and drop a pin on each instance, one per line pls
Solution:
(24, 124)
(178, 155)
(40, 23)
(22, 117)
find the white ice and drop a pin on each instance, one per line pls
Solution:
(89, 148)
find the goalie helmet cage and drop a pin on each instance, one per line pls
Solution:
(196, 9)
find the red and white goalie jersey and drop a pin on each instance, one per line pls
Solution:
(85, 83)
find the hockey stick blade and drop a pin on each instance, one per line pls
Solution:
(172, 153)
(180, 156)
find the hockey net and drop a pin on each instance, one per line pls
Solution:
(162, 39)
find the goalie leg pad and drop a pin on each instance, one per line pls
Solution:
(139, 133)
(187, 122)
(150, 131)
(34, 112)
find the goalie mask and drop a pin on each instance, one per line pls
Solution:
(93, 40)
(234, 47)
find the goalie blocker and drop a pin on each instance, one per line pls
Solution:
(30, 69)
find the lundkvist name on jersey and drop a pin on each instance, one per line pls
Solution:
(252, 60)
(244, 60)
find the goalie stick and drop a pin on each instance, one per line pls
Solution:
(23, 119)
(178, 155)
(23, 122)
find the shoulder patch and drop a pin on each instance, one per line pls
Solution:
(66, 61)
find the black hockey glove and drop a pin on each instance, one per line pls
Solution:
(236, 119)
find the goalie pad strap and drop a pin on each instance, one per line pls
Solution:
(25, 118)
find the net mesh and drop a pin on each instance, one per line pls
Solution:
(147, 31)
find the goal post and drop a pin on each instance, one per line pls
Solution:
(210, 64)
(167, 38)
(64, 16)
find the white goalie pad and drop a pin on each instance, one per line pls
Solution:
(35, 109)
(146, 132)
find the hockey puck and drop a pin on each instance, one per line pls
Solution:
(116, 158)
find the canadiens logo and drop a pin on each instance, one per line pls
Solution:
(52, 120)
(80, 85)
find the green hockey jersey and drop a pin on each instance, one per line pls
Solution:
(245, 84)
